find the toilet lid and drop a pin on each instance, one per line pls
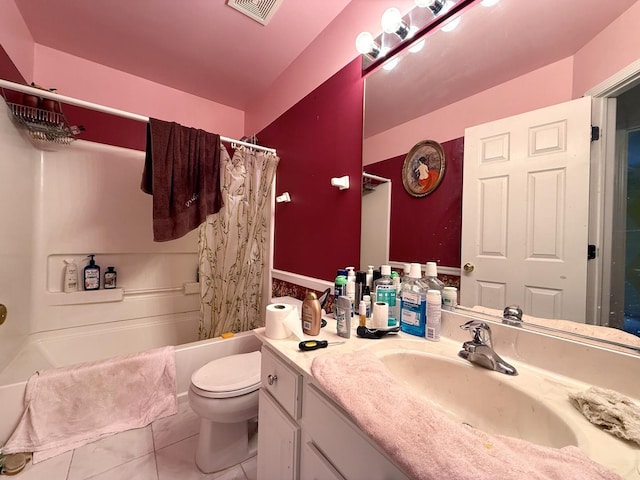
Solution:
(229, 376)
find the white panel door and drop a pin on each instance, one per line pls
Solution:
(525, 212)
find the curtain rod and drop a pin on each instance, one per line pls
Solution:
(375, 177)
(101, 108)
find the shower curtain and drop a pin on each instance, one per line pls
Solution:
(233, 245)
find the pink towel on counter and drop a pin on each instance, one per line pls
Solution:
(68, 407)
(429, 444)
(182, 172)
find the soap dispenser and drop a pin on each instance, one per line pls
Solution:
(92, 275)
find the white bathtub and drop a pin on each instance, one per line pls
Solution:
(83, 344)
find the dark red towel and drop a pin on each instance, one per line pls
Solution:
(182, 172)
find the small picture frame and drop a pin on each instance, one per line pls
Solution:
(423, 168)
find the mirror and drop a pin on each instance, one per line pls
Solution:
(430, 94)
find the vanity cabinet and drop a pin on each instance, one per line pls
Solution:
(303, 434)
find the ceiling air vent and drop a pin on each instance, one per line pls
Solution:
(259, 10)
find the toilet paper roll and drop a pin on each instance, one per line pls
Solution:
(281, 320)
(380, 315)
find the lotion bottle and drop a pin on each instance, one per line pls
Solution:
(92, 275)
(70, 276)
(311, 314)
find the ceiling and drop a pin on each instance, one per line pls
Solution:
(489, 47)
(203, 47)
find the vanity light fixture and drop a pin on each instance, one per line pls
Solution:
(437, 7)
(366, 45)
(398, 30)
(488, 3)
(392, 23)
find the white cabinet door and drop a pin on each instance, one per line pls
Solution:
(525, 212)
(278, 440)
(314, 466)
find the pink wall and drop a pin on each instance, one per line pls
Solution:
(428, 228)
(614, 48)
(319, 138)
(329, 52)
(16, 39)
(527, 92)
(96, 83)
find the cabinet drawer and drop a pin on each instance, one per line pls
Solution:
(282, 382)
(350, 451)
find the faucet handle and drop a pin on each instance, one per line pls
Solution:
(479, 330)
(512, 315)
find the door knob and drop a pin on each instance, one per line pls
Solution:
(3, 313)
(271, 379)
(469, 267)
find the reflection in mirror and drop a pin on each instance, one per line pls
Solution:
(509, 59)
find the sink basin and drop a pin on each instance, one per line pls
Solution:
(481, 398)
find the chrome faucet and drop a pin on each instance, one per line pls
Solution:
(480, 349)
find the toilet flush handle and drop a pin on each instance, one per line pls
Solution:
(272, 379)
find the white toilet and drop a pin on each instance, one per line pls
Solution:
(224, 394)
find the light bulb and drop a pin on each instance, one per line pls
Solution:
(391, 20)
(391, 64)
(366, 45)
(450, 26)
(488, 3)
(423, 3)
(417, 46)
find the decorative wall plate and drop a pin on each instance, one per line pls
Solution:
(423, 168)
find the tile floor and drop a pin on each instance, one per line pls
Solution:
(163, 450)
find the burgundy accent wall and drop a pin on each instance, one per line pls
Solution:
(106, 128)
(8, 70)
(319, 138)
(427, 228)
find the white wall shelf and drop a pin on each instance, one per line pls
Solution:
(191, 288)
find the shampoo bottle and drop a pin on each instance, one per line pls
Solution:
(70, 276)
(92, 275)
(110, 278)
(311, 314)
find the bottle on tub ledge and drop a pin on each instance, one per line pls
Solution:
(70, 276)
(91, 274)
(110, 278)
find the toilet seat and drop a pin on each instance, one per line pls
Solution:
(228, 377)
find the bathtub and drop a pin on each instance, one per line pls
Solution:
(82, 344)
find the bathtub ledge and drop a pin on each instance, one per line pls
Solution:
(79, 298)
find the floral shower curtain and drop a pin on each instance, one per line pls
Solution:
(234, 247)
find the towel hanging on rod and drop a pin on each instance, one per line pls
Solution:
(104, 109)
